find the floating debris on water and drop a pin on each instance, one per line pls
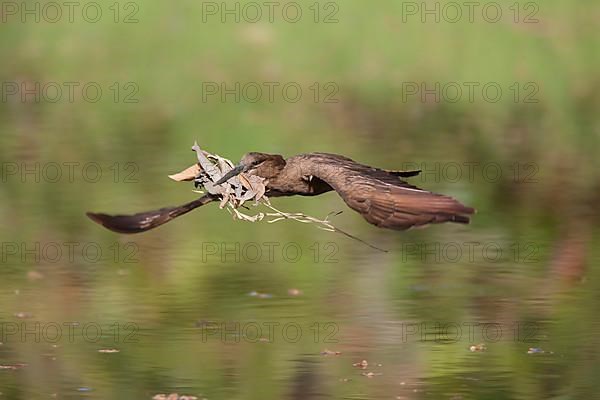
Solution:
(174, 396)
(260, 295)
(534, 350)
(362, 365)
(12, 367)
(34, 275)
(371, 374)
(478, 348)
(108, 351)
(537, 350)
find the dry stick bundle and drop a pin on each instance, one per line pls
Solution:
(239, 189)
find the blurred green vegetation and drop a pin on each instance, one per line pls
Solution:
(371, 55)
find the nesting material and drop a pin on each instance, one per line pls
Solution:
(238, 190)
(242, 189)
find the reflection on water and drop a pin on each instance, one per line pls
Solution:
(209, 307)
(449, 312)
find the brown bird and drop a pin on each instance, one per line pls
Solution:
(379, 195)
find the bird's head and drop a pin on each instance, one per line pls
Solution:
(261, 164)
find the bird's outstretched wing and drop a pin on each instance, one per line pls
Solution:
(381, 197)
(145, 221)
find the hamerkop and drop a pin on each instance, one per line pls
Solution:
(379, 195)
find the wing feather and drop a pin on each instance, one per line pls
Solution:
(145, 221)
(382, 198)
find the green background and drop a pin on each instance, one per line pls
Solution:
(541, 211)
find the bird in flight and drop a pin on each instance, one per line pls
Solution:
(379, 195)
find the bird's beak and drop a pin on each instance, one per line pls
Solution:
(234, 172)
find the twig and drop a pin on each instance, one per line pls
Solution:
(326, 225)
(236, 191)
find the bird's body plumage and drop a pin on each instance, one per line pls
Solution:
(379, 195)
